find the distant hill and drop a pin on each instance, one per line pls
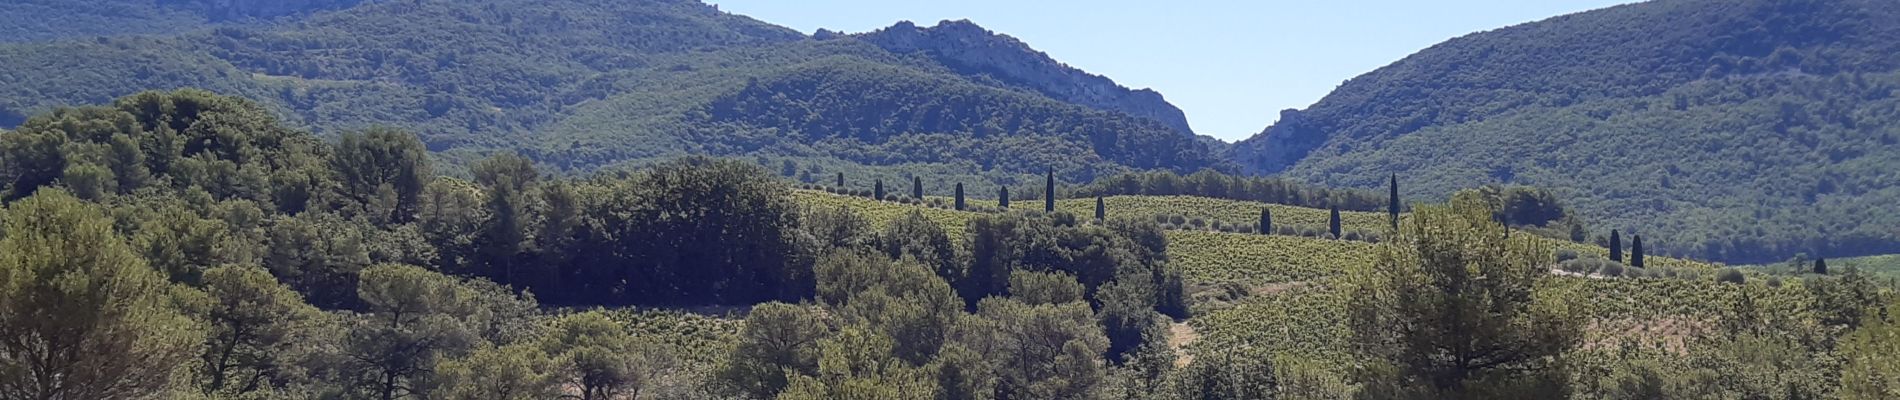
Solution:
(971, 50)
(589, 84)
(39, 20)
(1737, 130)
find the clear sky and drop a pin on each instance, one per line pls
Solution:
(1231, 65)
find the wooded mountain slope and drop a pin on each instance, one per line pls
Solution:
(1738, 130)
(584, 84)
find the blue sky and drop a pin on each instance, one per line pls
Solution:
(1231, 65)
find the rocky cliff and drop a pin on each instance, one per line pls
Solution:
(973, 50)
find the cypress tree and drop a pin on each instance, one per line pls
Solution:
(1616, 246)
(1392, 205)
(1335, 224)
(959, 196)
(917, 187)
(1002, 197)
(1101, 209)
(1049, 193)
(877, 192)
(1266, 221)
(840, 180)
(1636, 252)
(1820, 266)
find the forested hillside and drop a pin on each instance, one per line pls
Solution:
(1738, 130)
(40, 20)
(578, 85)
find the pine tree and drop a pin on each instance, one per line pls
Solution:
(83, 307)
(1101, 209)
(1049, 193)
(1820, 265)
(959, 196)
(1266, 221)
(1636, 252)
(1616, 246)
(877, 191)
(1392, 206)
(840, 180)
(917, 188)
(1334, 224)
(1002, 197)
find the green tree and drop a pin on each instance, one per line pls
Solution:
(1127, 313)
(1452, 304)
(319, 255)
(254, 323)
(600, 358)
(778, 341)
(709, 232)
(1333, 225)
(182, 244)
(1616, 246)
(1101, 209)
(1002, 197)
(857, 364)
(959, 195)
(1872, 368)
(840, 180)
(1820, 266)
(382, 160)
(1049, 351)
(877, 191)
(918, 238)
(917, 187)
(81, 314)
(838, 227)
(1636, 252)
(1049, 193)
(1392, 202)
(1227, 377)
(1266, 221)
(900, 300)
(513, 372)
(507, 235)
(414, 320)
(1036, 288)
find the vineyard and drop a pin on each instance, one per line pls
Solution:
(1230, 211)
(698, 339)
(1279, 297)
(1213, 257)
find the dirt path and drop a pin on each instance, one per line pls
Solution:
(1180, 335)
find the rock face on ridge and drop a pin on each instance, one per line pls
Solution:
(973, 50)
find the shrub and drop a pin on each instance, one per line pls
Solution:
(1611, 269)
(1731, 275)
(1774, 281)
(1161, 219)
(1355, 236)
(1566, 255)
(1177, 220)
(1327, 236)
(1197, 222)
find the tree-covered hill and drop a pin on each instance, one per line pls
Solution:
(37, 20)
(1737, 130)
(585, 84)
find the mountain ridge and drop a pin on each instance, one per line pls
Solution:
(973, 50)
(479, 77)
(1697, 123)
